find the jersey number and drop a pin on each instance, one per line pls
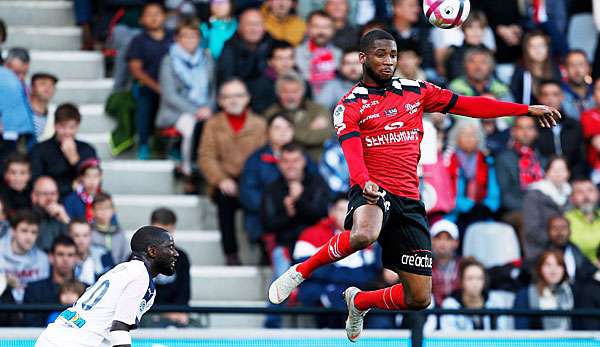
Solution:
(96, 295)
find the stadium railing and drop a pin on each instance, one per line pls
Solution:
(414, 337)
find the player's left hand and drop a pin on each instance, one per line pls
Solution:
(546, 116)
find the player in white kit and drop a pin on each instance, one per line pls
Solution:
(108, 310)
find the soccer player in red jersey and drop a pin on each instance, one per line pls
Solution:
(379, 125)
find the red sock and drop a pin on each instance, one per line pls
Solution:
(390, 298)
(336, 248)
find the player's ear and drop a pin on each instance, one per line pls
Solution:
(151, 251)
(362, 57)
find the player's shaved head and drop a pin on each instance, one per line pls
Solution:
(148, 236)
(368, 40)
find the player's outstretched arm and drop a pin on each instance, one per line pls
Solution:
(481, 107)
(119, 334)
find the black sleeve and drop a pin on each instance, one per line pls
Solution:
(312, 205)
(183, 280)
(273, 214)
(134, 49)
(37, 161)
(226, 63)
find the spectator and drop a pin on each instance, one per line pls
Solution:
(409, 62)
(549, 16)
(59, 156)
(187, 87)
(228, 140)
(473, 178)
(219, 28)
(589, 298)
(144, 56)
(590, 124)
(585, 217)
(62, 257)
(311, 120)
(578, 266)
(520, 165)
(346, 34)
(105, 231)
(17, 116)
(333, 167)
(405, 28)
(2, 39)
(536, 66)
(349, 73)
(496, 139)
(68, 293)
(43, 87)
(544, 199)
(473, 29)
(245, 55)
(78, 204)
(578, 89)
(174, 289)
(479, 76)
(281, 22)
(565, 139)
(317, 58)
(20, 260)
(281, 61)
(4, 223)
(551, 291)
(93, 261)
(44, 199)
(446, 264)
(260, 170)
(289, 205)
(473, 294)
(322, 289)
(505, 21)
(16, 190)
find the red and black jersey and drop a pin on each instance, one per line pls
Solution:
(381, 128)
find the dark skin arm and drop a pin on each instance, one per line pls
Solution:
(136, 67)
(118, 325)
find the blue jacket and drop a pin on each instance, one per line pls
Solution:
(259, 171)
(15, 113)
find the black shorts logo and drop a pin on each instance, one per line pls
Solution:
(421, 260)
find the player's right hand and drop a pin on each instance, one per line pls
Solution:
(371, 192)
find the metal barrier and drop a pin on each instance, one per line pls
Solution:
(416, 319)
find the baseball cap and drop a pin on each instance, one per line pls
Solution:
(444, 225)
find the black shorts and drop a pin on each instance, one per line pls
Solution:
(404, 236)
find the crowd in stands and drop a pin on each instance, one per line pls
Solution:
(247, 87)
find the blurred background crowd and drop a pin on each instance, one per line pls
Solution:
(240, 94)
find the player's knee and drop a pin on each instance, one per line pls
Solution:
(364, 235)
(418, 302)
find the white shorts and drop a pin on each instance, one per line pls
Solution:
(57, 336)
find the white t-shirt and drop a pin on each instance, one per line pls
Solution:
(124, 294)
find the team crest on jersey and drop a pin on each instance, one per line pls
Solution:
(338, 118)
(142, 305)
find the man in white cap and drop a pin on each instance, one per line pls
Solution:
(444, 242)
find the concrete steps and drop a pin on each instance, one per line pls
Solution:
(100, 141)
(44, 38)
(38, 13)
(68, 65)
(193, 212)
(93, 119)
(83, 91)
(230, 282)
(139, 177)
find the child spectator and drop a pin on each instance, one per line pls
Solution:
(473, 29)
(105, 231)
(535, 67)
(59, 156)
(16, 190)
(544, 199)
(43, 87)
(473, 295)
(93, 260)
(20, 259)
(68, 293)
(220, 27)
(551, 291)
(78, 204)
(144, 55)
(445, 274)
(590, 124)
(348, 74)
(174, 289)
(187, 87)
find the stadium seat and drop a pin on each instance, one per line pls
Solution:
(492, 243)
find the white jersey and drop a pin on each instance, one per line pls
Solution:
(123, 294)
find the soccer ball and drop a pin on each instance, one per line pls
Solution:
(446, 14)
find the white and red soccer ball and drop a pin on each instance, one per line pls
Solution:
(446, 14)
